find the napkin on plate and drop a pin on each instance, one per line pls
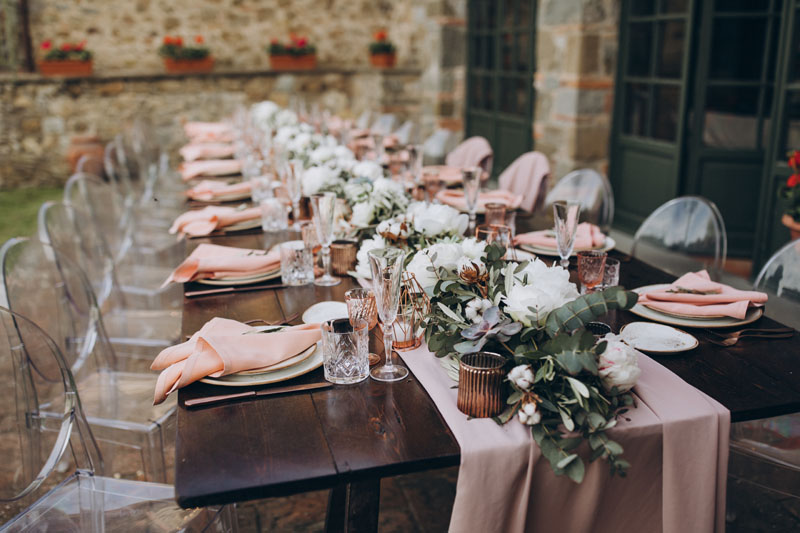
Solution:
(195, 151)
(587, 237)
(695, 294)
(209, 167)
(208, 190)
(449, 175)
(455, 198)
(203, 221)
(208, 131)
(223, 347)
(212, 261)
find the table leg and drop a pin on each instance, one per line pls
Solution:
(354, 508)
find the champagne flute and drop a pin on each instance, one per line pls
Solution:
(387, 265)
(471, 177)
(323, 206)
(566, 218)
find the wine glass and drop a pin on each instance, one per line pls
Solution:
(292, 181)
(471, 177)
(387, 265)
(566, 218)
(323, 206)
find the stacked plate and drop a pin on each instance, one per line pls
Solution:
(608, 245)
(243, 280)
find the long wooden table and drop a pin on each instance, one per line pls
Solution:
(354, 435)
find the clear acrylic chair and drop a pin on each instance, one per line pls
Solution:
(405, 132)
(117, 388)
(384, 124)
(131, 318)
(362, 122)
(436, 147)
(592, 190)
(52, 468)
(683, 235)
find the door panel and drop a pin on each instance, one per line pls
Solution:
(645, 176)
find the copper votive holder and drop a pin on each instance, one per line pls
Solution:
(343, 256)
(480, 384)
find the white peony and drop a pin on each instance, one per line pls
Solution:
(443, 254)
(317, 178)
(356, 191)
(362, 257)
(529, 414)
(522, 377)
(363, 213)
(539, 287)
(367, 169)
(473, 248)
(285, 117)
(434, 220)
(321, 155)
(263, 114)
(476, 307)
(343, 152)
(618, 365)
(285, 134)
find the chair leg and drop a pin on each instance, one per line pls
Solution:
(354, 508)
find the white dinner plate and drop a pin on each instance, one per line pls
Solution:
(323, 311)
(247, 280)
(753, 314)
(247, 380)
(233, 197)
(243, 225)
(608, 245)
(657, 338)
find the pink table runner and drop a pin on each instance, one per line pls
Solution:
(676, 441)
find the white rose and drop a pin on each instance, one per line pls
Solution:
(285, 134)
(367, 169)
(529, 414)
(476, 307)
(316, 178)
(443, 254)
(363, 213)
(618, 365)
(473, 248)
(299, 143)
(321, 155)
(419, 266)
(285, 117)
(362, 257)
(437, 219)
(343, 152)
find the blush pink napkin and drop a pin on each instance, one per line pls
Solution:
(449, 175)
(209, 167)
(455, 198)
(526, 176)
(195, 151)
(223, 347)
(204, 221)
(470, 153)
(587, 237)
(211, 261)
(676, 441)
(208, 190)
(208, 131)
(724, 300)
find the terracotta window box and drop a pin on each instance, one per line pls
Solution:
(383, 60)
(293, 62)
(67, 67)
(189, 65)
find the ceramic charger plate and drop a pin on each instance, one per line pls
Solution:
(753, 314)
(246, 280)
(244, 225)
(323, 311)
(233, 197)
(608, 245)
(657, 338)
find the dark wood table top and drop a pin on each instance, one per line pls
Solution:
(305, 441)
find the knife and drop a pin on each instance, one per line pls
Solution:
(223, 290)
(256, 394)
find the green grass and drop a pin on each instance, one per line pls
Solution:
(18, 210)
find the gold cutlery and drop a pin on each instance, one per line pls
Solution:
(208, 400)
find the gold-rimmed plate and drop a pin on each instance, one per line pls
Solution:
(247, 280)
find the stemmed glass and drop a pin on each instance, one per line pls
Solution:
(293, 183)
(471, 177)
(387, 265)
(566, 218)
(323, 206)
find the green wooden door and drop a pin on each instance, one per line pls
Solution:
(729, 115)
(649, 102)
(500, 66)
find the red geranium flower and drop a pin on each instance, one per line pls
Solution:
(380, 35)
(794, 159)
(273, 41)
(793, 180)
(179, 41)
(47, 45)
(199, 39)
(80, 46)
(66, 47)
(301, 42)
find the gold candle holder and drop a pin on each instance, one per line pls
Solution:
(343, 256)
(480, 384)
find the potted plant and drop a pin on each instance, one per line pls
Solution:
(180, 58)
(790, 191)
(66, 60)
(382, 53)
(299, 54)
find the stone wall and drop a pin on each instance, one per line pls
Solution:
(576, 60)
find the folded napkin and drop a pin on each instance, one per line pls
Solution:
(208, 190)
(212, 261)
(208, 131)
(223, 347)
(204, 221)
(455, 198)
(195, 151)
(209, 167)
(695, 294)
(449, 175)
(587, 237)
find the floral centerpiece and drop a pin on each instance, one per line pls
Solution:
(382, 53)
(184, 58)
(298, 54)
(69, 59)
(790, 192)
(563, 383)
